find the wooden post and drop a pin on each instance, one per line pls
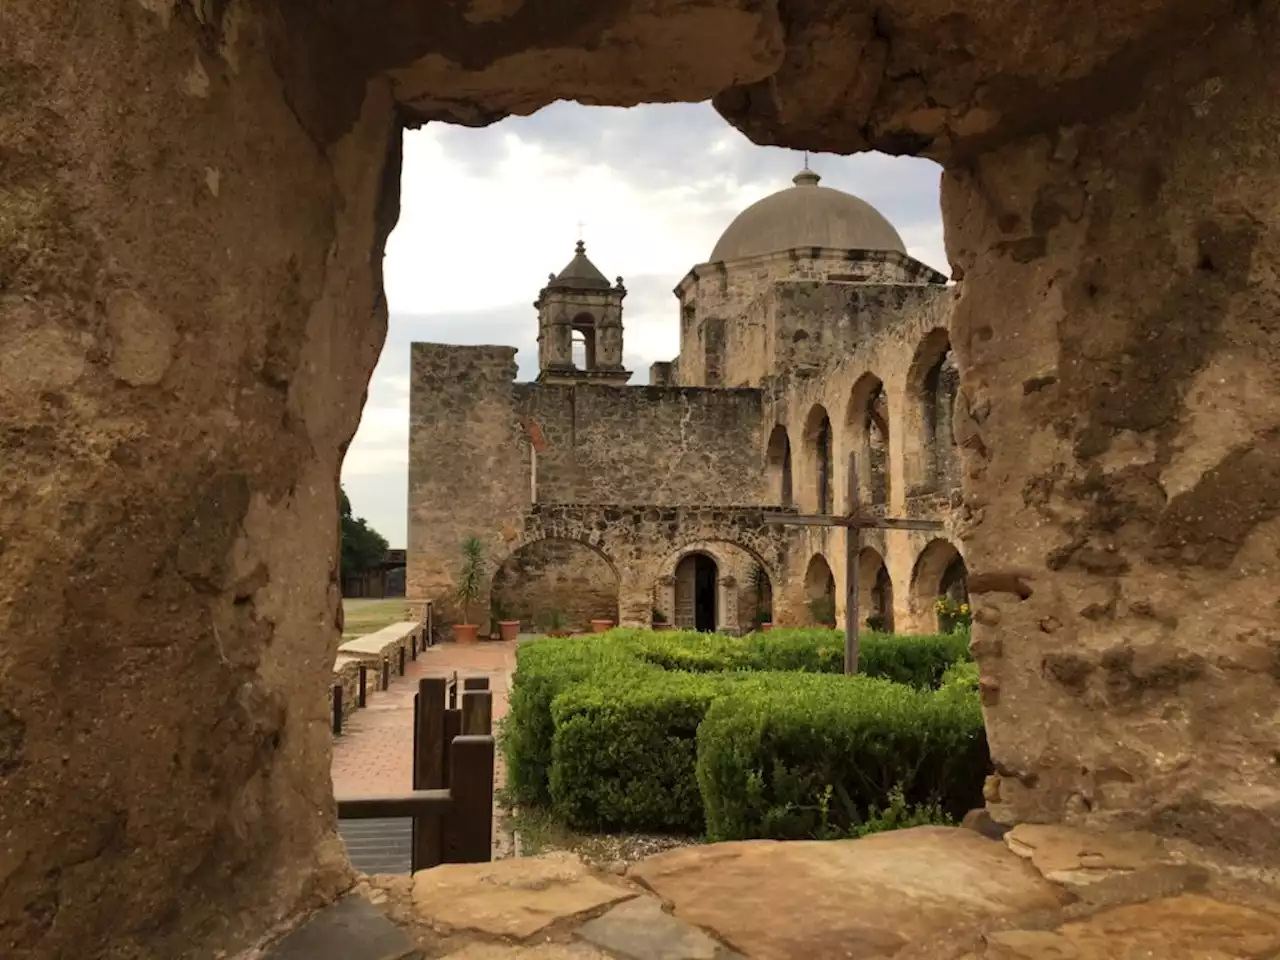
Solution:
(469, 833)
(337, 709)
(428, 769)
(362, 691)
(452, 730)
(401, 649)
(453, 691)
(386, 673)
(852, 547)
(477, 712)
(475, 683)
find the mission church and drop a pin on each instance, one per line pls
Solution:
(808, 335)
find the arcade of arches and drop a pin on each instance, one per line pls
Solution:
(197, 198)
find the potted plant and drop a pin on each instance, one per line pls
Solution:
(557, 624)
(503, 628)
(601, 625)
(823, 611)
(659, 619)
(467, 589)
(954, 616)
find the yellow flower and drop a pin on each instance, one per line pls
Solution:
(964, 608)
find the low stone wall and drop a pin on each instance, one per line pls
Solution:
(370, 650)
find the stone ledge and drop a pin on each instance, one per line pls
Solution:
(350, 929)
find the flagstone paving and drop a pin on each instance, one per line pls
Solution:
(930, 893)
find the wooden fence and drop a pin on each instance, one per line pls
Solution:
(451, 803)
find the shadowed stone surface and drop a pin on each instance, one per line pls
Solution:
(511, 898)
(351, 929)
(870, 896)
(543, 951)
(640, 930)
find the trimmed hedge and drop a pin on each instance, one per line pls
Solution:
(607, 729)
(799, 759)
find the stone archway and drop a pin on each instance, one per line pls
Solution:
(819, 472)
(820, 590)
(556, 583)
(697, 594)
(933, 381)
(743, 586)
(778, 465)
(192, 429)
(939, 573)
(867, 422)
(876, 603)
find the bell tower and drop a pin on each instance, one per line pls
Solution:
(580, 308)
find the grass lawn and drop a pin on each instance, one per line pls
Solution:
(365, 616)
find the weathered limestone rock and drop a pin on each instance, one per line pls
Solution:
(1116, 333)
(511, 898)
(873, 895)
(1186, 926)
(542, 951)
(640, 930)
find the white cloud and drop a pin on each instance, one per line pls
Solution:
(487, 214)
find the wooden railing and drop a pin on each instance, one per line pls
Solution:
(451, 803)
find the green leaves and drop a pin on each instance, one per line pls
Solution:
(363, 548)
(470, 575)
(757, 736)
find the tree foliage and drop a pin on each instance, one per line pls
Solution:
(363, 547)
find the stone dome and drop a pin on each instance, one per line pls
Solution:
(806, 215)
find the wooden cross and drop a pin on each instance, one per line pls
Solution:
(854, 523)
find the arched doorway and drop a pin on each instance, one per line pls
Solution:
(555, 584)
(940, 586)
(820, 588)
(876, 586)
(697, 577)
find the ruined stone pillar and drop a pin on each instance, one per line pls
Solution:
(728, 590)
(190, 295)
(665, 597)
(1118, 331)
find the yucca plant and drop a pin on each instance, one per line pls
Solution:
(470, 575)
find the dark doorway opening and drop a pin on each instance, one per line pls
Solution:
(696, 588)
(704, 604)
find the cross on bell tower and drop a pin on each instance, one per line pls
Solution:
(579, 305)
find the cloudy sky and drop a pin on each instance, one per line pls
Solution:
(487, 214)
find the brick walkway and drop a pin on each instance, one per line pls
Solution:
(374, 755)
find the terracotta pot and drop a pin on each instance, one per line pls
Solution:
(600, 626)
(464, 632)
(509, 630)
(662, 626)
(766, 627)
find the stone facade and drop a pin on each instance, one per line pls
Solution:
(791, 362)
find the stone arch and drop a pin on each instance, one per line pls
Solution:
(778, 466)
(740, 587)
(867, 422)
(875, 599)
(583, 331)
(819, 470)
(933, 381)
(820, 590)
(939, 571)
(549, 578)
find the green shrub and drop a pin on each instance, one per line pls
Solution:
(605, 729)
(813, 754)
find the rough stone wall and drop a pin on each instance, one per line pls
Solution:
(469, 466)
(184, 362)
(721, 305)
(643, 542)
(860, 329)
(645, 444)
(556, 576)
(1118, 347)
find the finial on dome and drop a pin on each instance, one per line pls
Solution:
(581, 247)
(806, 177)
